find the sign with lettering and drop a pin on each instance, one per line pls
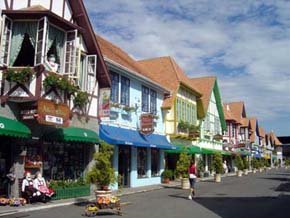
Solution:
(50, 113)
(104, 103)
(28, 114)
(146, 124)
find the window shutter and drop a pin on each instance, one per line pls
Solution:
(40, 41)
(91, 72)
(6, 32)
(70, 63)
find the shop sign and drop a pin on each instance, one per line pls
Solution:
(146, 124)
(104, 103)
(50, 113)
(28, 114)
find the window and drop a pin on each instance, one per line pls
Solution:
(149, 100)
(186, 111)
(216, 125)
(233, 130)
(91, 72)
(153, 101)
(142, 162)
(115, 87)
(155, 162)
(70, 53)
(145, 99)
(207, 123)
(125, 91)
(6, 38)
(41, 33)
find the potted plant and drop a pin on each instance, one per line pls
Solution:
(287, 163)
(183, 126)
(182, 169)
(246, 165)
(218, 166)
(166, 176)
(102, 173)
(200, 167)
(239, 164)
(22, 77)
(81, 99)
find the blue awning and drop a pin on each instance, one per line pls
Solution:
(121, 136)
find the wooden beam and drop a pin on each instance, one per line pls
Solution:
(50, 5)
(28, 3)
(6, 4)
(11, 4)
(63, 8)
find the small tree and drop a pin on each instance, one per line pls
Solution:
(200, 166)
(239, 163)
(102, 172)
(182, 165)
(218, 163)
(245, 163)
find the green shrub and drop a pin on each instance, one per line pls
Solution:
(239, 162)
(245, 163)
(200, 166)
(54, 184)
(167, 174)
(102, 172)
(218, 163)
(287, 162)
(255, 163)
(183, 165)
(23, 76)
(81, 99)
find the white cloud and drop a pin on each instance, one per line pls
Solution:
(250, 35)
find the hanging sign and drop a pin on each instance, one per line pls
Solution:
(104, 103)
(50, 113)
(146, 124)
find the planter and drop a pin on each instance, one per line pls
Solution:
(103, 193)
(217, 177)
(73, 192)
(165, 180)
(239, 173)
(185, 183)
(246, 172)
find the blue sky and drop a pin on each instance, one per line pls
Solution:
(246, 44)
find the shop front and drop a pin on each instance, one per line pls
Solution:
(138, 159)
(13, 134)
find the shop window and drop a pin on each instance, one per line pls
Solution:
(114, 87)
(155, 156)
(142, 162)
(145, 99)
(125, 91)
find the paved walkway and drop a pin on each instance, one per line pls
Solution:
(6, 210)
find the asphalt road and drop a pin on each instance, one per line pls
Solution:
(261, 195)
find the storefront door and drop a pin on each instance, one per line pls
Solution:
(124, 165)
(5, 165)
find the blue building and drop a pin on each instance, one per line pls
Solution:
(134, 124)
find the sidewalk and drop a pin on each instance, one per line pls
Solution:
(7, 210)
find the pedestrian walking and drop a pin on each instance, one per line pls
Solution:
(192, 179)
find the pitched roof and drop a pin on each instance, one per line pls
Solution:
(117, 55)
(236, 109)
(275, 141)
(205, 86)
(253, 127)
(169, 74)
(245, 122)
(261, 132)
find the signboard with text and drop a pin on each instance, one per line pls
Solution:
(146, 124)
(104, 103)
(50, 113)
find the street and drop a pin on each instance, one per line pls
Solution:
(264, 195)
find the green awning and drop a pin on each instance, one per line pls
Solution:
(213, 151)
(186, 149)
(73, 134)
(13, 128)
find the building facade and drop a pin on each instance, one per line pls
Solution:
(52, 71)
(136, 100)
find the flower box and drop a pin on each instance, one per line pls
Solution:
(71, 192)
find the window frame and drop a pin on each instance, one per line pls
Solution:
(117, 87)
(91, 75)
(127, 86)
(3, 45)
(143, 96)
